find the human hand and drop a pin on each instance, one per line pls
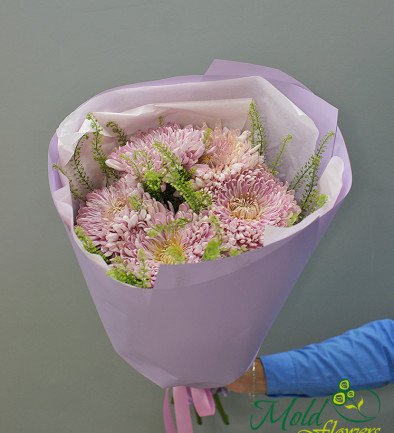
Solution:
(244, 384)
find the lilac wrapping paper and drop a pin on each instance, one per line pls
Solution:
(203, 324)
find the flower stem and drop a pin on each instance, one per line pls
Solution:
(198, 418)
(220, 409)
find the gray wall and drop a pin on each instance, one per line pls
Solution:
(58, 372)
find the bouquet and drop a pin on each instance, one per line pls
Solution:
(192, 205)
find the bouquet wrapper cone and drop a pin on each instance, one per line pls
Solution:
(202, 324)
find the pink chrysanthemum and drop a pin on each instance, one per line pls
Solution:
(227, 152)
(247, 202)
(115, 214)
(181, 239)
(139, 154)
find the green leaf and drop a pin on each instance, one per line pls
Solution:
(212, 250)
(351, 406)
(360, 403)
(152, 183)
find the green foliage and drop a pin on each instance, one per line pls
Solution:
(98, 154)
(321, 200)
(168, 228)
(207, 135)
(88, 244)
(151, 179)
(79, 169)
(279, 157)
(215, 222)
(236, 251)
(311, 165)
(257, 129)
(152, 183)
(292, 219)
(74, 190)
(312, 202)
(307, 179)
(120, 134)
(212, 250)
(136, 202)
(144, 271)
(173, 173)
(132, 161)
(215, 248)
(202, 200)
(161, 121)
(179, 178)
(169, 158)
(97, 149)
(121, 272)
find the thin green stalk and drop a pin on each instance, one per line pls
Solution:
(79, 169)
(179, 178)
(257, 129)
(198, 418)
(88, 244)
(97, 149)
(279, 157)
(120, 134)
(314, 159)
(74, 190)
(308, 177)
(220, 409)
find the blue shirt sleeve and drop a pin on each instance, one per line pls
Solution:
(364, 356)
